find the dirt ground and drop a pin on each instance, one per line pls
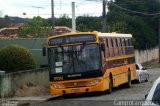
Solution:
(32, 90)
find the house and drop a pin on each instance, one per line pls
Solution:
(13, 29)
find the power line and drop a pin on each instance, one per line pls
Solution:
(62, 14)
(78, 4)
(135, 12)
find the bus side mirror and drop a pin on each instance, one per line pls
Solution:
(44, 51)
(102, 47)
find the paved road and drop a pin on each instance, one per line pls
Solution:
(120, 96)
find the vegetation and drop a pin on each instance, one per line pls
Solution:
(143, 28)
(16, 58)
(36, 27)
(87, 23)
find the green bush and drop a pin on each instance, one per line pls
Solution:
(16, 58)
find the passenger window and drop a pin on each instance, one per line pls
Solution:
(112, 42)
(116, 42)
(125, 42)
(121, 42)
(107, 43)
(129, 44)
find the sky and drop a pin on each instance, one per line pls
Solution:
(18, 7)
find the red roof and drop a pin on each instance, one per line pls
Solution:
(12, 31)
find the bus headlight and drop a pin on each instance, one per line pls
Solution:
(56, 86)
(93, 83)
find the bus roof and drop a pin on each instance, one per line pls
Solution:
(114, 35)
(98, 33)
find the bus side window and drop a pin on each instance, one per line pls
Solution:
(106, 42)
(131, 41)
(107, 47)
(116, 39)
(117, 46)
(112, 43)
(103, 47)
(120, 44)
(129, 44)
(125, 44)
(112, 47)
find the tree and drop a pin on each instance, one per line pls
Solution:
(143, 28)
(88, 23)
(83, 23)
(36, 27)
(63, 20)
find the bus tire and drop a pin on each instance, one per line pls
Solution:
(110, 85)
(128, 84)
(147, 78)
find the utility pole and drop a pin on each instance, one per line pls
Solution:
(73, 17)
(159, 36)
(104, 16)
(53, 23)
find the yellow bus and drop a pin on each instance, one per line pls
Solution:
(89, 62)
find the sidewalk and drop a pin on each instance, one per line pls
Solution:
(25, 101)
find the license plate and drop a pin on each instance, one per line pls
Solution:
(75, 90)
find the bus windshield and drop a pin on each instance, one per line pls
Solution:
(74, 59)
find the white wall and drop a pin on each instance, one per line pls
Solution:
(143, 56)
(10, 82)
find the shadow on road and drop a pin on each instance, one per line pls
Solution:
(71, 96)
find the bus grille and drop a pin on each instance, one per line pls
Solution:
(75, 84)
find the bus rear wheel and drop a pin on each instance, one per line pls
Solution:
(128, 84)
(110, 86)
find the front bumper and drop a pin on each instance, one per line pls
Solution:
(78, 90)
